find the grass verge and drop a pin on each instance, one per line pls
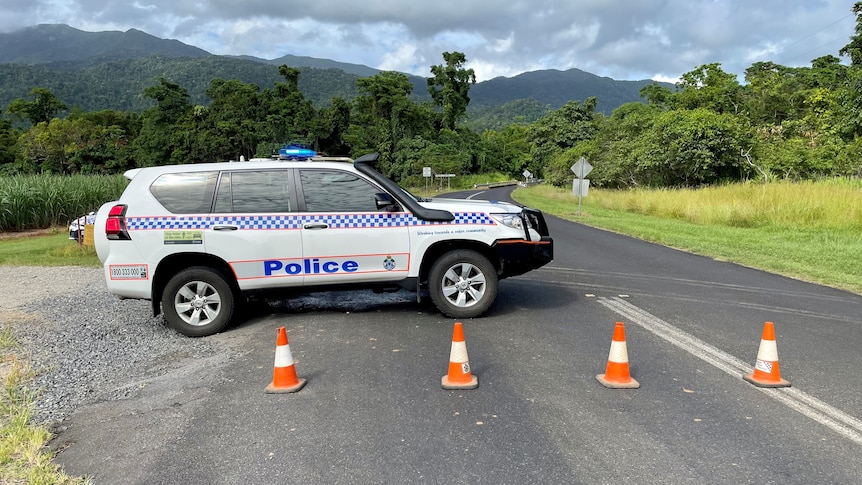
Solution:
(23, 458)
(55, 249)
(817, 239)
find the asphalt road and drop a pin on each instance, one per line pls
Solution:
(373, 410)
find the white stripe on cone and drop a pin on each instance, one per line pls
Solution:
(282, 356)
(768, 351)
(618, 352)
(458, 353)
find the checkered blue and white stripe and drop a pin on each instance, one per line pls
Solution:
(336, 221)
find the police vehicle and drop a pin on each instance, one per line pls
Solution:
(76, 227)
(197, 240)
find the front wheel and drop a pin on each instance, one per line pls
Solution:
(197, 302)
(463, 284)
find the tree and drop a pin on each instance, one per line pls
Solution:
(850, 106)
(709, 87)
(330, 127)
(192, 140)
(854, 48)
(235, 117)
(8, 139)
(773, 93)
(656, 94)
(57, 146)
(562, 129)
(506, 151)
(694, 147)
(828, 72)
(110, 150)
(154, 145)
(42, 108)
(449, 87)
(172, 101)
(620, 149)
(291, 75)
(382, 115)
(286, 115)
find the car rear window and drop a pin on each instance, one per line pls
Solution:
(253, 192)
(185, 193)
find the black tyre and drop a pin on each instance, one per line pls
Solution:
(462, 284)
(197, 302)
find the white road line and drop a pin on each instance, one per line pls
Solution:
(474, 195)
(819, 411)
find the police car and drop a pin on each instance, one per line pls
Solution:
(197, 240)
(76, 227)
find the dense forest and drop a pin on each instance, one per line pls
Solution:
(783, 122)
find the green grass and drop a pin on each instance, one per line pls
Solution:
(811, 231)
(23, 458)
(51, 250)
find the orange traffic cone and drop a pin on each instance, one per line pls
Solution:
(616, 374)
(766, 370)
(459, 376)
(284, 376)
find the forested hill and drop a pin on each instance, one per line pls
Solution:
(47, 43)
(109, 70)
(556, 88)
(119, 84)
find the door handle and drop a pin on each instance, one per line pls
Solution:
(225, 228)
(318, 225)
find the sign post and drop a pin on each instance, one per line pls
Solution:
(426, 172)
(448, 177)
(581, 185)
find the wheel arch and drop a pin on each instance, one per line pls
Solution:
(175, 263)
(438, 249)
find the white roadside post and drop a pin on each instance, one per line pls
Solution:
(426, 172)
(580, 185)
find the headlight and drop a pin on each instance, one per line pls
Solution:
(509, 220)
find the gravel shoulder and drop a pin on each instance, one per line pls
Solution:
(86, 345)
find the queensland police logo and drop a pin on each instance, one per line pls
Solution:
(388, 263)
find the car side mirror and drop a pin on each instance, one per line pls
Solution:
(384, 201)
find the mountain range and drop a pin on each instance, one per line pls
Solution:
(109, 70)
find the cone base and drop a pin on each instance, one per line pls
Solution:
(447, 384)
(760, 383)
(631, 384)
(272, 389)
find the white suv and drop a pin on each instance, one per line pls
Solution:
(198, 239)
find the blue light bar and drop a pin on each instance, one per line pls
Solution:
(296, 152)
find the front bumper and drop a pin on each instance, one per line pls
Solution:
(518, 256)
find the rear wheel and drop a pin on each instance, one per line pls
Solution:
(197, 302)
(463, 284)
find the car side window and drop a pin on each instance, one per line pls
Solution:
(337, 191)
(253, 192)
(185, 193)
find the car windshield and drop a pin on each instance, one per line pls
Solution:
(412, 196)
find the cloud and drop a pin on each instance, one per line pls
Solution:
(659, 39)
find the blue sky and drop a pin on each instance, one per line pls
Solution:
(621, 39)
